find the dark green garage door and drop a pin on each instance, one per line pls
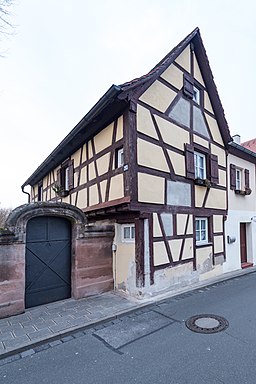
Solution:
(48, 260)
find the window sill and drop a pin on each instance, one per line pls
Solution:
(246, 192)
(204, 245)
(203, 182)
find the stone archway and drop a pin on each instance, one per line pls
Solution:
(91, 255)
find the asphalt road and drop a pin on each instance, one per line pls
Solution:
(155, 346)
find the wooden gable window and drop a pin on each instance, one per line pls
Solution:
(65, 178)
(201, 166)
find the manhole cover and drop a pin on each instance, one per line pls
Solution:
(206, 323)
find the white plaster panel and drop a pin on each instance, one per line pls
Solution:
(103, 164)
(150, 188)
(156, 226)
(158, 96)
(218, 244)
(178, 193)
(83, 175)
(200, 193)
(160, 253)
(220, 153)
(82, 198)
(172, 134)
(145, 123)
(217, 223)
(116, 190)
(216, 199)
(178, 163)
(197, 73)
(181, 220)
(188, 250)
(184, 59)
(167, 220)
(175, 246)
(151, 155)
(104, 138)
(92, 173)
(103, 186)
(93, 195)
(119, 131)
(207, 103)
(222, 178)
(214, 128)
(174, 76)
(199, 140)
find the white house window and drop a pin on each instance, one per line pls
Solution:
(201, 231)
(238, 179)
(128, 233)
(200, 165)
(196, 95)
(120, 157)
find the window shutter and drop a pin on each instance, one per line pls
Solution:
(232, 176)
(246, 178)
(188, 84)
(59, 177)
(71, 175)
(190, 164)
(214, 169)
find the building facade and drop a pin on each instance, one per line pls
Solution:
(151, 158)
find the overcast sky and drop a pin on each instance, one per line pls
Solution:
(66, 53)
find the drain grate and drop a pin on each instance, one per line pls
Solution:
(207, 323)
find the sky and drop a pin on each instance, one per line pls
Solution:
(63, 55)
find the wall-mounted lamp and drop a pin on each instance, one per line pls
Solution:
(253, 219)
(231, 239)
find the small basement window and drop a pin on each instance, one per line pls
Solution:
(128, 233)
(201, 231)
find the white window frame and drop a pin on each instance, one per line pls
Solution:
(131, 238)
(202, 229)
(198, 155)
(196, 95)
(120, 157)
(239, 179)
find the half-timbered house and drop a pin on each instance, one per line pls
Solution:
(151, 157)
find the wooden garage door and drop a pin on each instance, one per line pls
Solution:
(48, 260)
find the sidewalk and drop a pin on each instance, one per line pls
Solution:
(48, 323)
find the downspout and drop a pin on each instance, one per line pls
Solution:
(22, 188)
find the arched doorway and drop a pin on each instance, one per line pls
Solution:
(47, 260)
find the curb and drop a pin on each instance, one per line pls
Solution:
(19, 352)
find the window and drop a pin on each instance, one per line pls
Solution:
(201, 231)
(120, 157)
(128, 233)
(65, 178)
(200, 165)
(238, 179)
(196, 95)
(40, 191)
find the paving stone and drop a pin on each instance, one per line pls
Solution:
(16, 342)
(44, 324)
(59, 327)
(78, 321)
(6, 336)
(29, 352)
(42, 347)
(55, 342)
(67, 338)
(38, 335)
(77, 335)
(2, 348)
(9, 359)
(23, 331)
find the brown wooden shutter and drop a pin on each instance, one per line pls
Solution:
(190, 163)
(59, 177)
(246, 178)
(71, 175)
(214, 177)
(188, 85)
(232, 176)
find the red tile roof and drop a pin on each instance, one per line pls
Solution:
(250, 144)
